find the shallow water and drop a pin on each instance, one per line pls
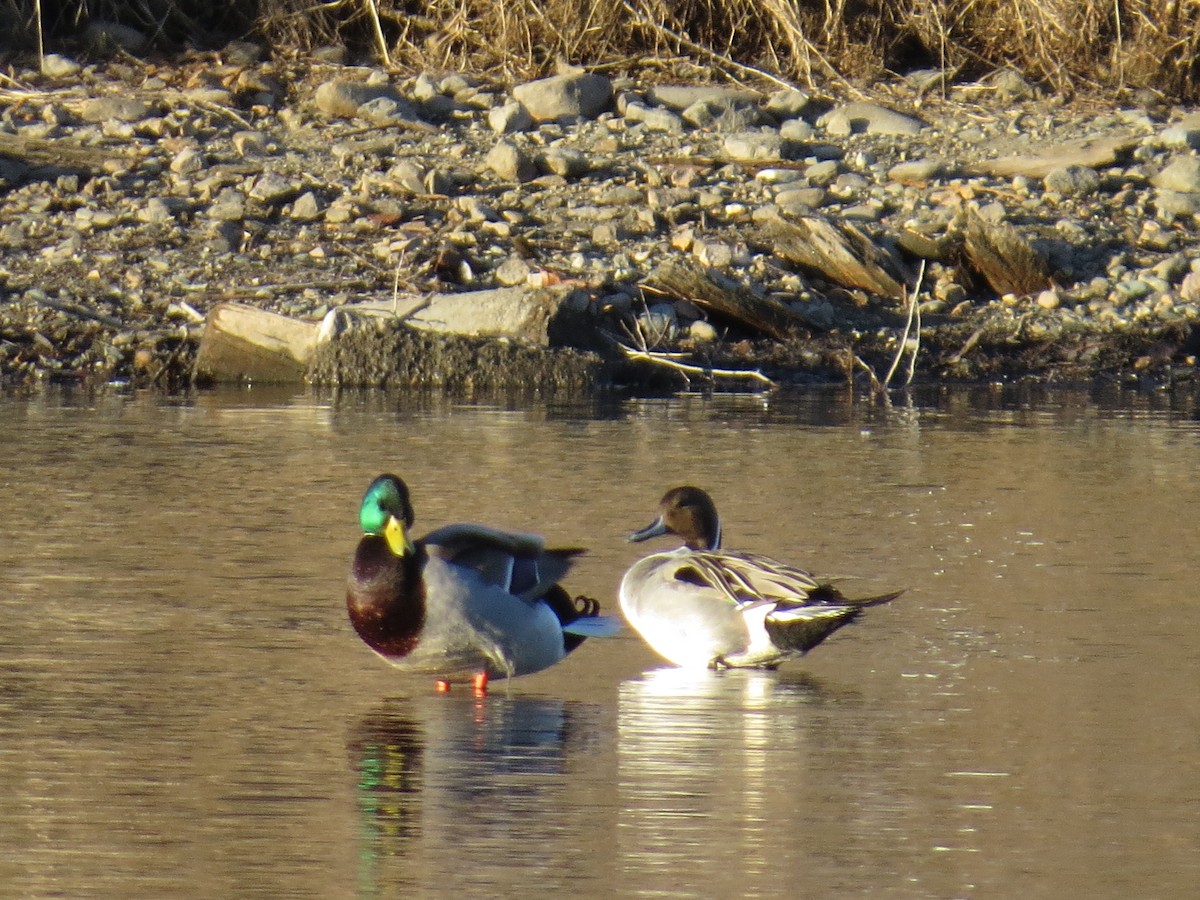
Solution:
(184, 710)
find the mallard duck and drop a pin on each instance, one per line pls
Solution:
(701, 605)
(464, 599)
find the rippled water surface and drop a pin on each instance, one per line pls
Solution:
(185, 712)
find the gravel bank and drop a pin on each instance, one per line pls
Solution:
(134, 197)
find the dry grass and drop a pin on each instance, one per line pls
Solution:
(1067, 45)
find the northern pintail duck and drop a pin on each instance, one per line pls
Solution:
(464, 599)
(701, 605)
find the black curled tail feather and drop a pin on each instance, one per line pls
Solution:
(568, 609)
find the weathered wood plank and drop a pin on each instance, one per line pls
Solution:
(691, 281)
(838, 252)
(1004, 258)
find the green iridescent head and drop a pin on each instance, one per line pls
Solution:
(387, 512)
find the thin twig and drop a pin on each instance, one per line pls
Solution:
(914, 313)
(686, 369)
(373, 14)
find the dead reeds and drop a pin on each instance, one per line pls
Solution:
(1065, 45)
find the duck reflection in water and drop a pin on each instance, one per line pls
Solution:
(466, 785)
(708, 763)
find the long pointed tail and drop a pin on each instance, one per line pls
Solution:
(864, 602)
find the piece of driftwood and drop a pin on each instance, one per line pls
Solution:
(244, 343)
(1094, 153)
(731, 301)
(1005, 259)
(838, 252)
(59, 156)
(687, 371)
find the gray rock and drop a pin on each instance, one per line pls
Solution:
(55, 65)
(188, 161)
(509, 118)
(341, 98)
(726, 114)
(702, 332)
(654, 118)
(717, 254)
(1177, 204)
(512, 272)
(565, 97)
(1181, 175)
(680, 97)
(387, 110)
(510, 162)
(788, 104)
(1180, 137)
(868, 118)
(1189, 288)
(408, 175)
(424, 88)
(242, 53)
(754, 145)
(307, 207)
(122, 109)
(796, 130)
(916, 172)
(155, 211)
(228, 206)
(1073, 181)
(1009, 85)
(822, 173)
(250, 143)
(271, 187)
(565, 161)
(1048, 299)
(801, 200)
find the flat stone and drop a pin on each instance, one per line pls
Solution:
(387, 110)
(1180, 137)
(565, 97)
(680, 97)
(725, 114)
(916, 172)
(1177, 204)
(271, 187)
(654, 118)
(1095, 153)
(1181, 175)
(121, 109)
(869, 118)
(519, 313)
(754, 145)
(341, 98)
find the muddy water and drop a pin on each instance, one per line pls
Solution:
(185, 712)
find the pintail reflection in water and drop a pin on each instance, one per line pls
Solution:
(469, 792)
(713, 765)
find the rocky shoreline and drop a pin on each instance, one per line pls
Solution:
(135, 197)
